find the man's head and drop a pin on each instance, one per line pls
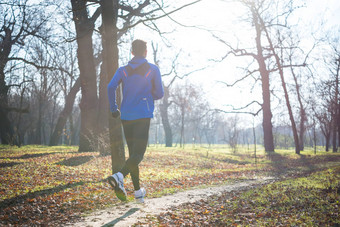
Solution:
(139, 48)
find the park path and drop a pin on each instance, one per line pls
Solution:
(127, 214)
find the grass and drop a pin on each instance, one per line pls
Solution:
(42, 184)
(312, 200)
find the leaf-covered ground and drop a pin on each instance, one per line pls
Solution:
(54, 185)
(312, 200)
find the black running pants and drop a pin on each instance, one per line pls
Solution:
(136, 134)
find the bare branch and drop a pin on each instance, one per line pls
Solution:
(239, 80)
(32, 63)
(184, 75)
(168, 15)
(128, 26)
(239, 112)
(95, 15)
(236, 52)
(19, 85)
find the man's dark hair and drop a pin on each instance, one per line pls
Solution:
(139, 47)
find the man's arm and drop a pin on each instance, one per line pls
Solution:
(158, 90)
(111, 90)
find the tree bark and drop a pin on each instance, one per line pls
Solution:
(303, 116)
(267, 114)
(165, 118)
(338, 126)
(6, 128)
(69, 102)
(110, 61)
(336, 108)
(182, 125)
(88, 105)
(279, 65)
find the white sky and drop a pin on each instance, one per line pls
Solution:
(223, 17)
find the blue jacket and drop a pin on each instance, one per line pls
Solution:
(142, 84)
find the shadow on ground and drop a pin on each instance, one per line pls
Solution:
(282, 164)
(37, 155)
(75, 161)
(8, 164)
(32, 195)
(127, 214)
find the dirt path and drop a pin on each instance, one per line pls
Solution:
(127, 214)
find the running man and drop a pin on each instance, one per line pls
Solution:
(142, 84)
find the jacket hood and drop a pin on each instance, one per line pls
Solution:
(136, 62)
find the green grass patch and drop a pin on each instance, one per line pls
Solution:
(42, 184)
(312, 200)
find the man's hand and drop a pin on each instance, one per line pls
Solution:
(115, 114)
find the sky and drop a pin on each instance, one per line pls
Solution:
(223, 17)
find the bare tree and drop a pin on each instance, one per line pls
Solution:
(324, 110)
(45, 90)
(271, 29)
(114, 14)
(186, 98)
(261, 56)
(334, 68)
(284, 86)
(84, 25)
(20, 23)
(232, 131)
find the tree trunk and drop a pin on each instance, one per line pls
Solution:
(338, 124)
(182, 127)
(110, 60)
(6, 131)
(314, 135)
(103, 107)
(69, 101)
(291, 117)
(267, 114)
(279, 65)
(335, 110)
(6, 128)
(327, 138)
(303, 117)
(39, 121)
(165, 118)
(88, 104)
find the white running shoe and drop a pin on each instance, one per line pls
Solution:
(139, 195)
(117, 182)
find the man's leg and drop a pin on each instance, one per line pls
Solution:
(128, 134)
(138, 142)
(117, 179)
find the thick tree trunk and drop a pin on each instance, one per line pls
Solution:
(6, 128)
(88, 104)
(110, 61)
(165, 118)
(267, 114)
(69, 101)
(278, 63)
(327, 138)
(6, 132)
